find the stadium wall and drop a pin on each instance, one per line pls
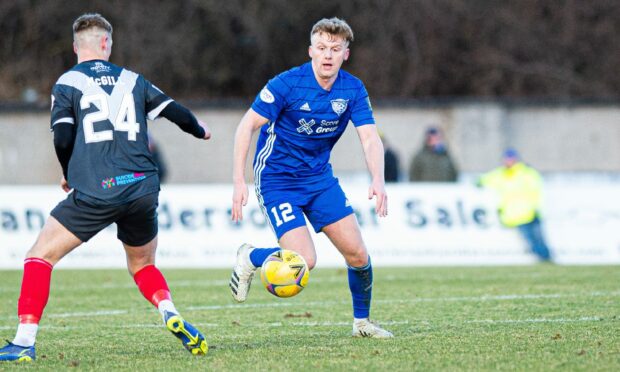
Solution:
(427, 225)
(553, 138)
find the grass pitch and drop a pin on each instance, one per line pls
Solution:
(539, 317)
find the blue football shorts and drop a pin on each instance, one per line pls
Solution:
(285, 208)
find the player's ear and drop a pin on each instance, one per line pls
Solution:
(346, 54)
(104, 42)
(75, 48)
(310, 51)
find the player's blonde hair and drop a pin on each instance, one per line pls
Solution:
(333, 26)
(88, 21)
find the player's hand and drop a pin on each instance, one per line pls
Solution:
(240, 199)
(64, 185)
(377, 189)
(206, 128)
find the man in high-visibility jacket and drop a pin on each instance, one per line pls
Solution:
(520, 189)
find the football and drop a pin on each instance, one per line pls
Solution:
(284, 273)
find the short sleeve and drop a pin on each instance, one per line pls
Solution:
(272, 98)
(155, 100)
(62, 105)
(361, 112)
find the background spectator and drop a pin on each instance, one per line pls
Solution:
(392, 162)
(520, 190)
(162, 169)
(433, 163)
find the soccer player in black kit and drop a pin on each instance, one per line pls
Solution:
(99, 113)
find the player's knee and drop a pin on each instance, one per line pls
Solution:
(358, 260)
(310, 261)
(40, 252)
(311, 264)
(134, 266)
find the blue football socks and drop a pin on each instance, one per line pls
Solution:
(360, 284)
(259, 255)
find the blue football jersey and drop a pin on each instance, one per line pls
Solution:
(305, 122)
(109, 105)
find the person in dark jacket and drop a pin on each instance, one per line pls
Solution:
(433, 162)
(392, 163)
(158, 158)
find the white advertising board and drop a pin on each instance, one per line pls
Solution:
(428, 224)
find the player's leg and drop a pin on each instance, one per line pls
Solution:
(53, 243)
(346, 236)
(331, 213)
(300, 241)
(284, 215)
(150, 281)
(69, 224)
(137, 229)
(256, 255)
(153, 286)
(297, 240)
(289, 225)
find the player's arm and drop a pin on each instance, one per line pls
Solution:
(64, 139)
(250, 122)
(159, 104)
(62, 124)
(373, 152)
(186, 120)
(267, 106)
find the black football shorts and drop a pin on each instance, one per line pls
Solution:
(136, 220)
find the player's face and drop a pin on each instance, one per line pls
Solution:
(328, 52)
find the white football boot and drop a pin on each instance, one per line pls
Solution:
(242, 274)
(368, 328)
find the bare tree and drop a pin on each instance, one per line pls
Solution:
(202, 49)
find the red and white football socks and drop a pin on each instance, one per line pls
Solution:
(33, 297)
(154, 288)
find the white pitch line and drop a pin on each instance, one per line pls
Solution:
(280, 304)
(311, 324)
(172, 284)
(406, 301)
(216, 325)
(224, 283)
(216, 282)
(537, 320)
(89, 314)
(195, 283)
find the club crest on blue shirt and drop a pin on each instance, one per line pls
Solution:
(339, 105)
(266, 96)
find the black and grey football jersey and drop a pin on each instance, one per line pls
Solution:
(109, 105)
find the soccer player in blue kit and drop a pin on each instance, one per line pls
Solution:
(301, 114)
(99, 113)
